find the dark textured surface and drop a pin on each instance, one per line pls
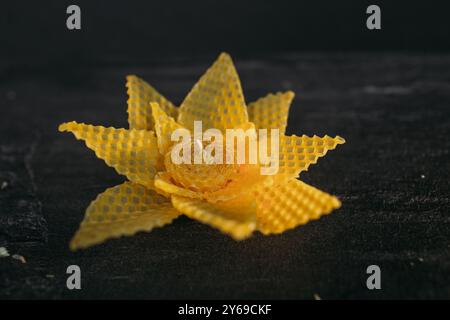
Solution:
(392, 176)
(21, 216)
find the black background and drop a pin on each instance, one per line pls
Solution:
(387, 92)
(133, 29)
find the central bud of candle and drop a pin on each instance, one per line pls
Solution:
(207, 175)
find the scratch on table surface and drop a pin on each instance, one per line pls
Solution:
(399, 90)
(29, 157)
(119, 277)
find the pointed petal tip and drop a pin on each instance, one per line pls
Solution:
(340, 140)
(290, 94)
(76, 244)
(131, 77)
(73, 247)
(336, 203)
(224, 55)
(243, 234)
(129, 82)
(64, 127)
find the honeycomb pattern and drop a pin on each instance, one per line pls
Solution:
(291, 204)
(122, 210)
(133, 153)
(140, 94)
(236, 217)
(216, 99)
(234, 198)
(271, 111)
(298, 153)
(164, 126)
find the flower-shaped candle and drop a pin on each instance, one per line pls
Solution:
(232, 195)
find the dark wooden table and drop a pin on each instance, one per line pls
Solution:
(392, 176)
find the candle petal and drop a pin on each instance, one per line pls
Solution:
(140, 94)
(164, 127)
(133, 153)
(122, 211)
(298, 153)
(236, 217)
(271, 111)
(216, 99)
(291, 204)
